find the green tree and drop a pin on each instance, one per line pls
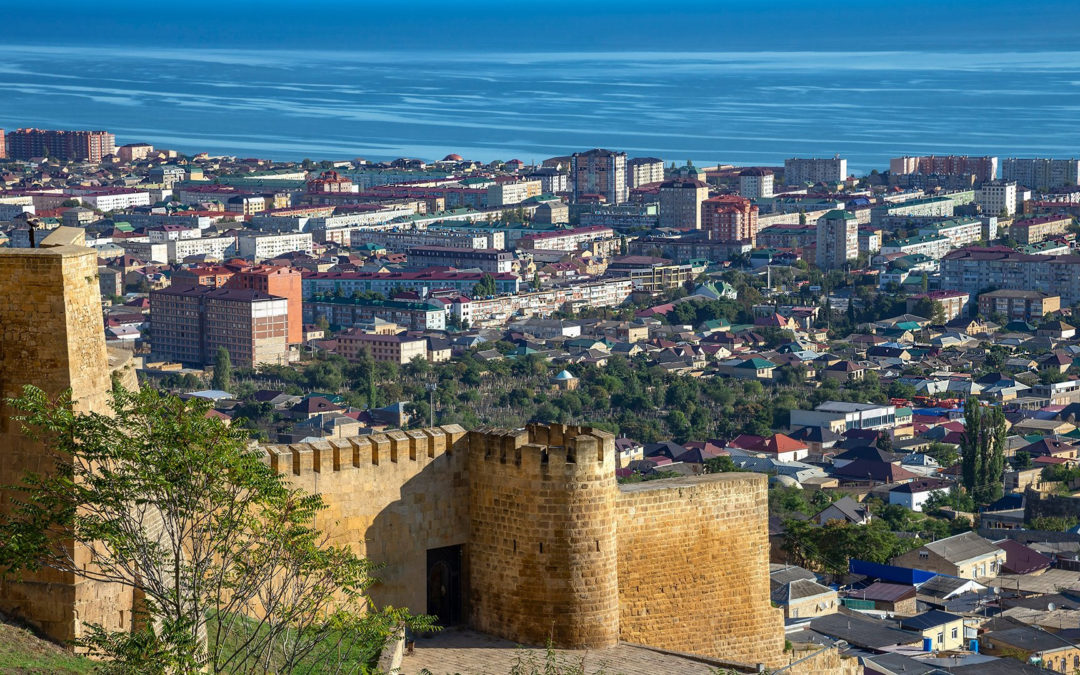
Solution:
(486, 286)
(222, 370)
(982, 451)
(228, 525)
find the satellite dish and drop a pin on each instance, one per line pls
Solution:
(1050, 606)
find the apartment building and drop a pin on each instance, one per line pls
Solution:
(552, 180)
(959, 231)
(787, 236)
(486, 259)
(997, 198)
(837, 239)
(798, 171)
(930, 207)
(729, 218)
(216, 248)
(503, 193)
(496, 312)
(599, 172)
(259, 246)
(573, 239)
(347, 283)
(982, 168)
(953, 303)
(1018, 304)
(840, 416)
(348, 312)
(189, 323)
(644, 170)
(756, 183)
(930, 245)
(399, 349)
(78, 146)
(1040, 173)
(113, 199)
(680, 203)
(1034, 230)
(975, 269)
(404, 240)
(280, 282)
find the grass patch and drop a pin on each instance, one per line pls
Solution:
(23, 653)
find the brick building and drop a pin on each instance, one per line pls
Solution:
(189, 323)
(729, 218)
(399, 349)
(81, 146)
(599, 172)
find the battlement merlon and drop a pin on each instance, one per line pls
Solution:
(546, 449)
(354, 452)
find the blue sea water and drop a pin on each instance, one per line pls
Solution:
(742, 107)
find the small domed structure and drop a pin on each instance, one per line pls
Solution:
(452, 158)
(565, 380)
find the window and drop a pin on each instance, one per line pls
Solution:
(941, 638)
(955, 633)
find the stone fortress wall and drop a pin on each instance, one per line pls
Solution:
(553, 547)
(51, 336)
(527, 528)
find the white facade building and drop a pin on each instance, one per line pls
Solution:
(997, 197)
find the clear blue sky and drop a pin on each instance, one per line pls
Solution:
(712, 25)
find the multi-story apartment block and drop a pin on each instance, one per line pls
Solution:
(259, 246)
(975, 269)
(349, 312)
(505, 192)
(997, 198)
(953, 303)
(347, 283)
(787, 236)
(216, 248)
(756, 183)
(644, 170)
(112, 199)
(728, 218)
(837, 239)
(574, 239)
(485, 259)
(171, 232)
(496, 312)
(1017, 304)
(1034, 230)
(280, 282)
(652, 275)
(930, 207)
(132, 152)
(189, 323)
(552, 180)
(798, 171)
(959, 231)
(399, 349)
(930, 245)
(1041, 174)
(79, 146)
(982, 168)
(403, 241)
(3, 145)
(214, 276)
(599, 172)
(680, 203)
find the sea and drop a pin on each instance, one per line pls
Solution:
(708, 107)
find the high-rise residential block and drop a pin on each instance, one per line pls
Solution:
(837, 239)
(983, 168)
(756, 183)
(680, 203)
(997, 198)
(644, 170)
(190, 323)
(81, 146)
(1041, 173)
(814, 170)
(599, 172)
(730, 218)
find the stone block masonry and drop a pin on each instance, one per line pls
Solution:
(693, 567)
(51, 336)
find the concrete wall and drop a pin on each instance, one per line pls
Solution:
(51, 336)
(693, 567)
(542, 547)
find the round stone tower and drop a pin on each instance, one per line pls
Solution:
(542, 551)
